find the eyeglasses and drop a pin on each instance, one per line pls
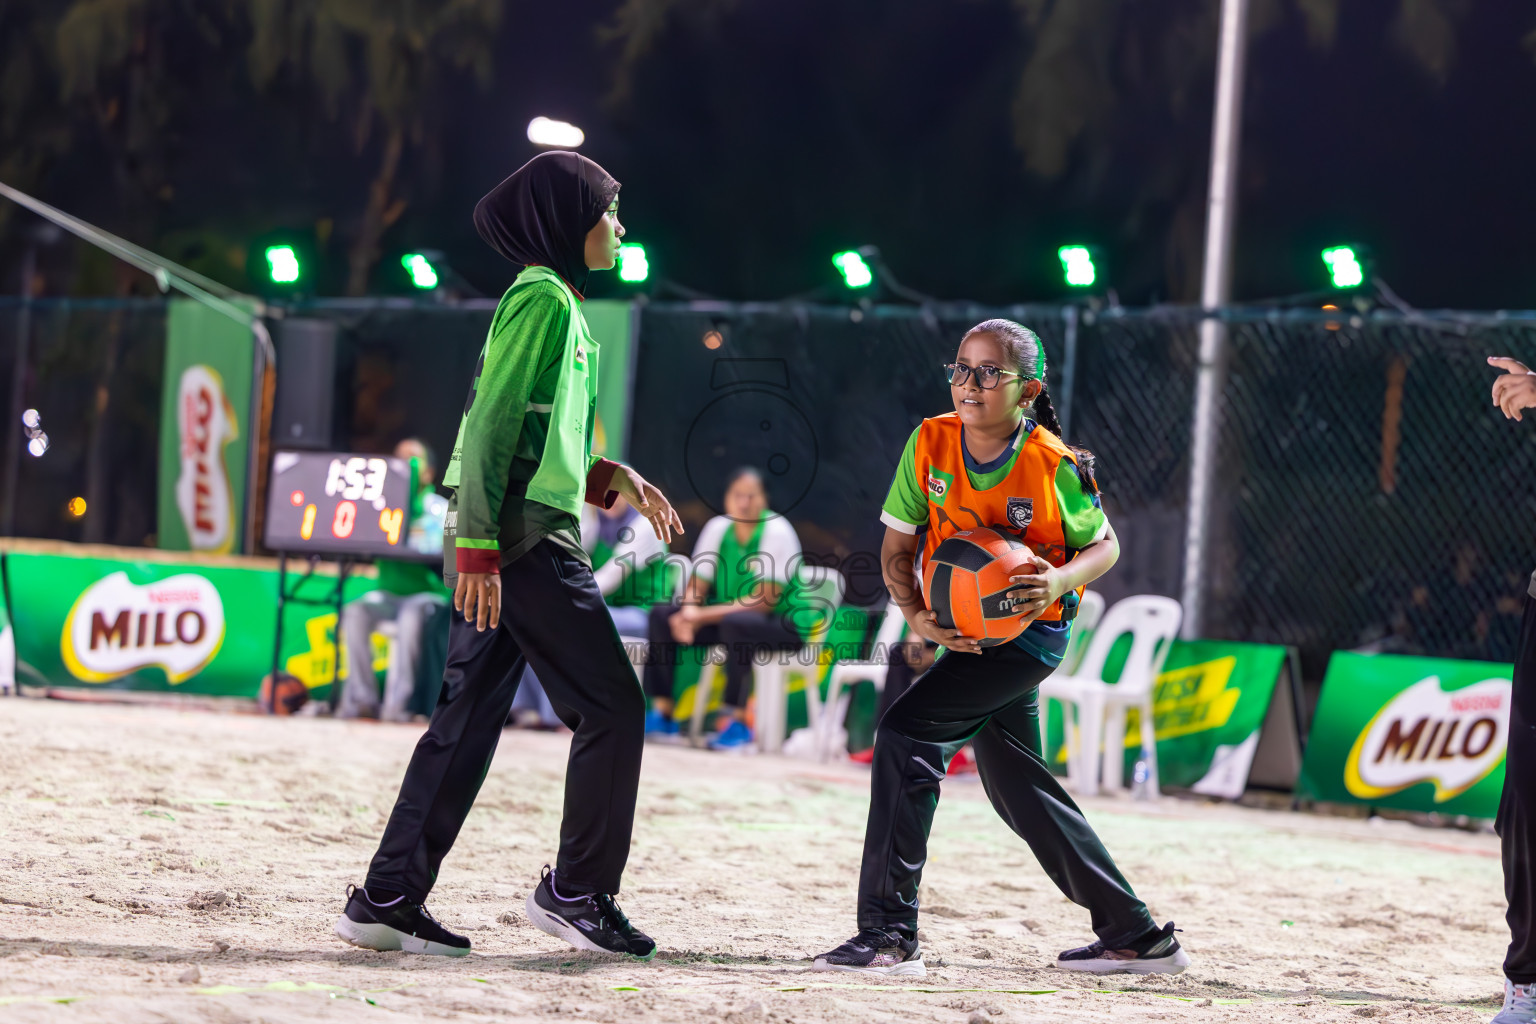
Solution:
(987, 375)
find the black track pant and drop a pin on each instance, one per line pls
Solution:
(745, 635)
(1517, 808)
(988, 699)
(552, 615)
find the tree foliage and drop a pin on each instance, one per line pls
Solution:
(143, 82)
(1091, 75)
(377, 67)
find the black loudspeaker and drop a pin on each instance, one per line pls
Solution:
(306, 384)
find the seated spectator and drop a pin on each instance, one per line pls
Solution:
(627, 564)
(409, 592)
(740, 595)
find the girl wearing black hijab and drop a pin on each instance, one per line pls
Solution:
(521, 467)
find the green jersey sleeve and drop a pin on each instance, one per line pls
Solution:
(527, 340)
(906, 506)
(1082, 519)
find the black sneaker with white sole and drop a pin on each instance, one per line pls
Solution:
(396, 924)
(875, 951)
(1158, 953)
(590, 921)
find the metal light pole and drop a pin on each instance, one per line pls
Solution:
(1215, 292)
(1068, 369)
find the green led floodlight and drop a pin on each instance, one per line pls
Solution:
(423, 273)
(633, 266)
(1077, 265)
(1344, 266)
(856, 273)
(282, 264)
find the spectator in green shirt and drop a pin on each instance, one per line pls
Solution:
(408, 595)
(743, 596)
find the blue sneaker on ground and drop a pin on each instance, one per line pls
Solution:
(735, 738)
(659, 726)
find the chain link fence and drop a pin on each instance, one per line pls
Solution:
(92, 369)
(1371, 495)
(1367, 495)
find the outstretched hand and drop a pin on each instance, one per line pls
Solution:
(1514, 391)
(649, 501)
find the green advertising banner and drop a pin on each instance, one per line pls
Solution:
(1417, 734)
(205, 426)
(109, 618)
(611, 322)
(1209, 711)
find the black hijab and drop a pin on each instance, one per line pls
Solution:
(542, 213)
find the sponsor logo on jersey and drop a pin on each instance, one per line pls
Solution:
(206, 422)
(1425, 734)
(581, 357)
(939, 483)
(1021, 512)
(117, 627)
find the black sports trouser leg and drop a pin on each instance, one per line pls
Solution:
(991, 697)
(1517, 809)
(743, 634)
(553, 615)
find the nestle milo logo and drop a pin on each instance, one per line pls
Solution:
(206, 421)
(939, 483)
(1425, 734)
(117, 627)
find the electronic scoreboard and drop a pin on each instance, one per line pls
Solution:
(339, 503)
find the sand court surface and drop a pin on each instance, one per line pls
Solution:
(169, 865)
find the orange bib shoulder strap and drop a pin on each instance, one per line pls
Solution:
(1055, 446)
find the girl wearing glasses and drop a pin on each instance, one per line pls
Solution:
(996, 461)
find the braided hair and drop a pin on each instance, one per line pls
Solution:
(1028, 358)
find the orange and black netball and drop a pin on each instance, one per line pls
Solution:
(966, 582)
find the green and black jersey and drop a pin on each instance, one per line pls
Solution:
(522, 463)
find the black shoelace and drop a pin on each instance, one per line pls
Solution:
(877, 938)
(609, 908)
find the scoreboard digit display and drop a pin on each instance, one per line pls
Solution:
(339, 503)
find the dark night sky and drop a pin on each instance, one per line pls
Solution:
(754, 148)
(798, 128)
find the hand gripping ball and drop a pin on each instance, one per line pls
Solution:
(966, 583)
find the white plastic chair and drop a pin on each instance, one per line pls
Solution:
(846, 673)
(822, 588)
(1089, 611)
(1152, 622)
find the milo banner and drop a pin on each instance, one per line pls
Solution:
(1418, 734)
(1219, 718)
(106, 617)
(205, 428)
